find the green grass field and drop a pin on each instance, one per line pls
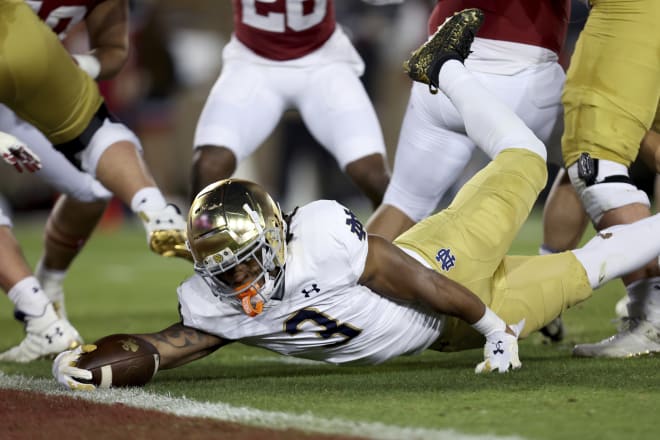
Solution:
(116, 286)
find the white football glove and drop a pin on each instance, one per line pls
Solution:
(89, 63)
(17, 154)
(501, 351)
(66, 372)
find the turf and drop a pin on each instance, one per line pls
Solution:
(116, 285)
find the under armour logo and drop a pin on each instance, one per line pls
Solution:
(354, 223)
(314, 288)
(445, 257)
(58, 332)
(499, 348)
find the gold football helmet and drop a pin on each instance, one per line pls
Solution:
(232, 222)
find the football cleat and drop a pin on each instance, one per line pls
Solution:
(451, 41)
(46, 336)
(638, 339)
(166, 232)
(554, 330)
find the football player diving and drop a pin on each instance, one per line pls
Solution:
(314, 284)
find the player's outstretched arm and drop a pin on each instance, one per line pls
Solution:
(392, 273)
(177, 345)
(131, 360)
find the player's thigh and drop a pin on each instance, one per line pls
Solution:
(337, 111)
(428, 160)
(534, 288)
(45, 86)
(468, 240)
(538, 288)
(534, 94)
(241, 111)
(613, 82)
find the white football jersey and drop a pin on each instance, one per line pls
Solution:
(324, 314)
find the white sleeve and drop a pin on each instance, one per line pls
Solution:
(193, 302)
(336, 240)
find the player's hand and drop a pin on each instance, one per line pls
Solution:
(66, 372)
(17, 154)
(501, 351)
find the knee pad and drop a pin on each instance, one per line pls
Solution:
(603, 185)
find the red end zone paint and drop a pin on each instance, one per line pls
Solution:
(31, 415)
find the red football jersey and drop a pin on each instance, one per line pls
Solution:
(283, 29)
(62, 15)
(537, 22)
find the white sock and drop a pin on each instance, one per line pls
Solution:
(619, 250)
(148, 199)
(490, 123)
(28, 296)
(49, 277)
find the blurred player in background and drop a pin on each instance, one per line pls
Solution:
(57, 96)
(515, 55)
(47, 333)
(284, 55)
(610, 101)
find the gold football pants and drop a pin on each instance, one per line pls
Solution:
(613, 81)
(39, 80)
(467, 242)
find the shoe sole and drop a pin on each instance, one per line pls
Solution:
(468, 19)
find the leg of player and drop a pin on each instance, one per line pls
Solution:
(564, 219)
(210, 164)
(564, 223)
(47, 334)
(371, 175)
(608, 256)
(69, 225)
(606, 117)
(122, 170)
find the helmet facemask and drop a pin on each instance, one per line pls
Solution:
(263, 251)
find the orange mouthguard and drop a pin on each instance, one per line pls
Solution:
(246, 301)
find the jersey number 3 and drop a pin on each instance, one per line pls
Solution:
(294, 18)
(329, 326)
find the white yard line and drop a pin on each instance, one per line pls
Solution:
(185, 407)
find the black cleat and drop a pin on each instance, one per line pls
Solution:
(554, 330)
(451, 41)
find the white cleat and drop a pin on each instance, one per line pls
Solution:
(639, 339)
(166, 232)
(47, 335)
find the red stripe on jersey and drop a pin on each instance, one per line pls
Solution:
(61, 15)
(283, 29)
(537, 22)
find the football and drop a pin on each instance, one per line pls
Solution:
(120, 361)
